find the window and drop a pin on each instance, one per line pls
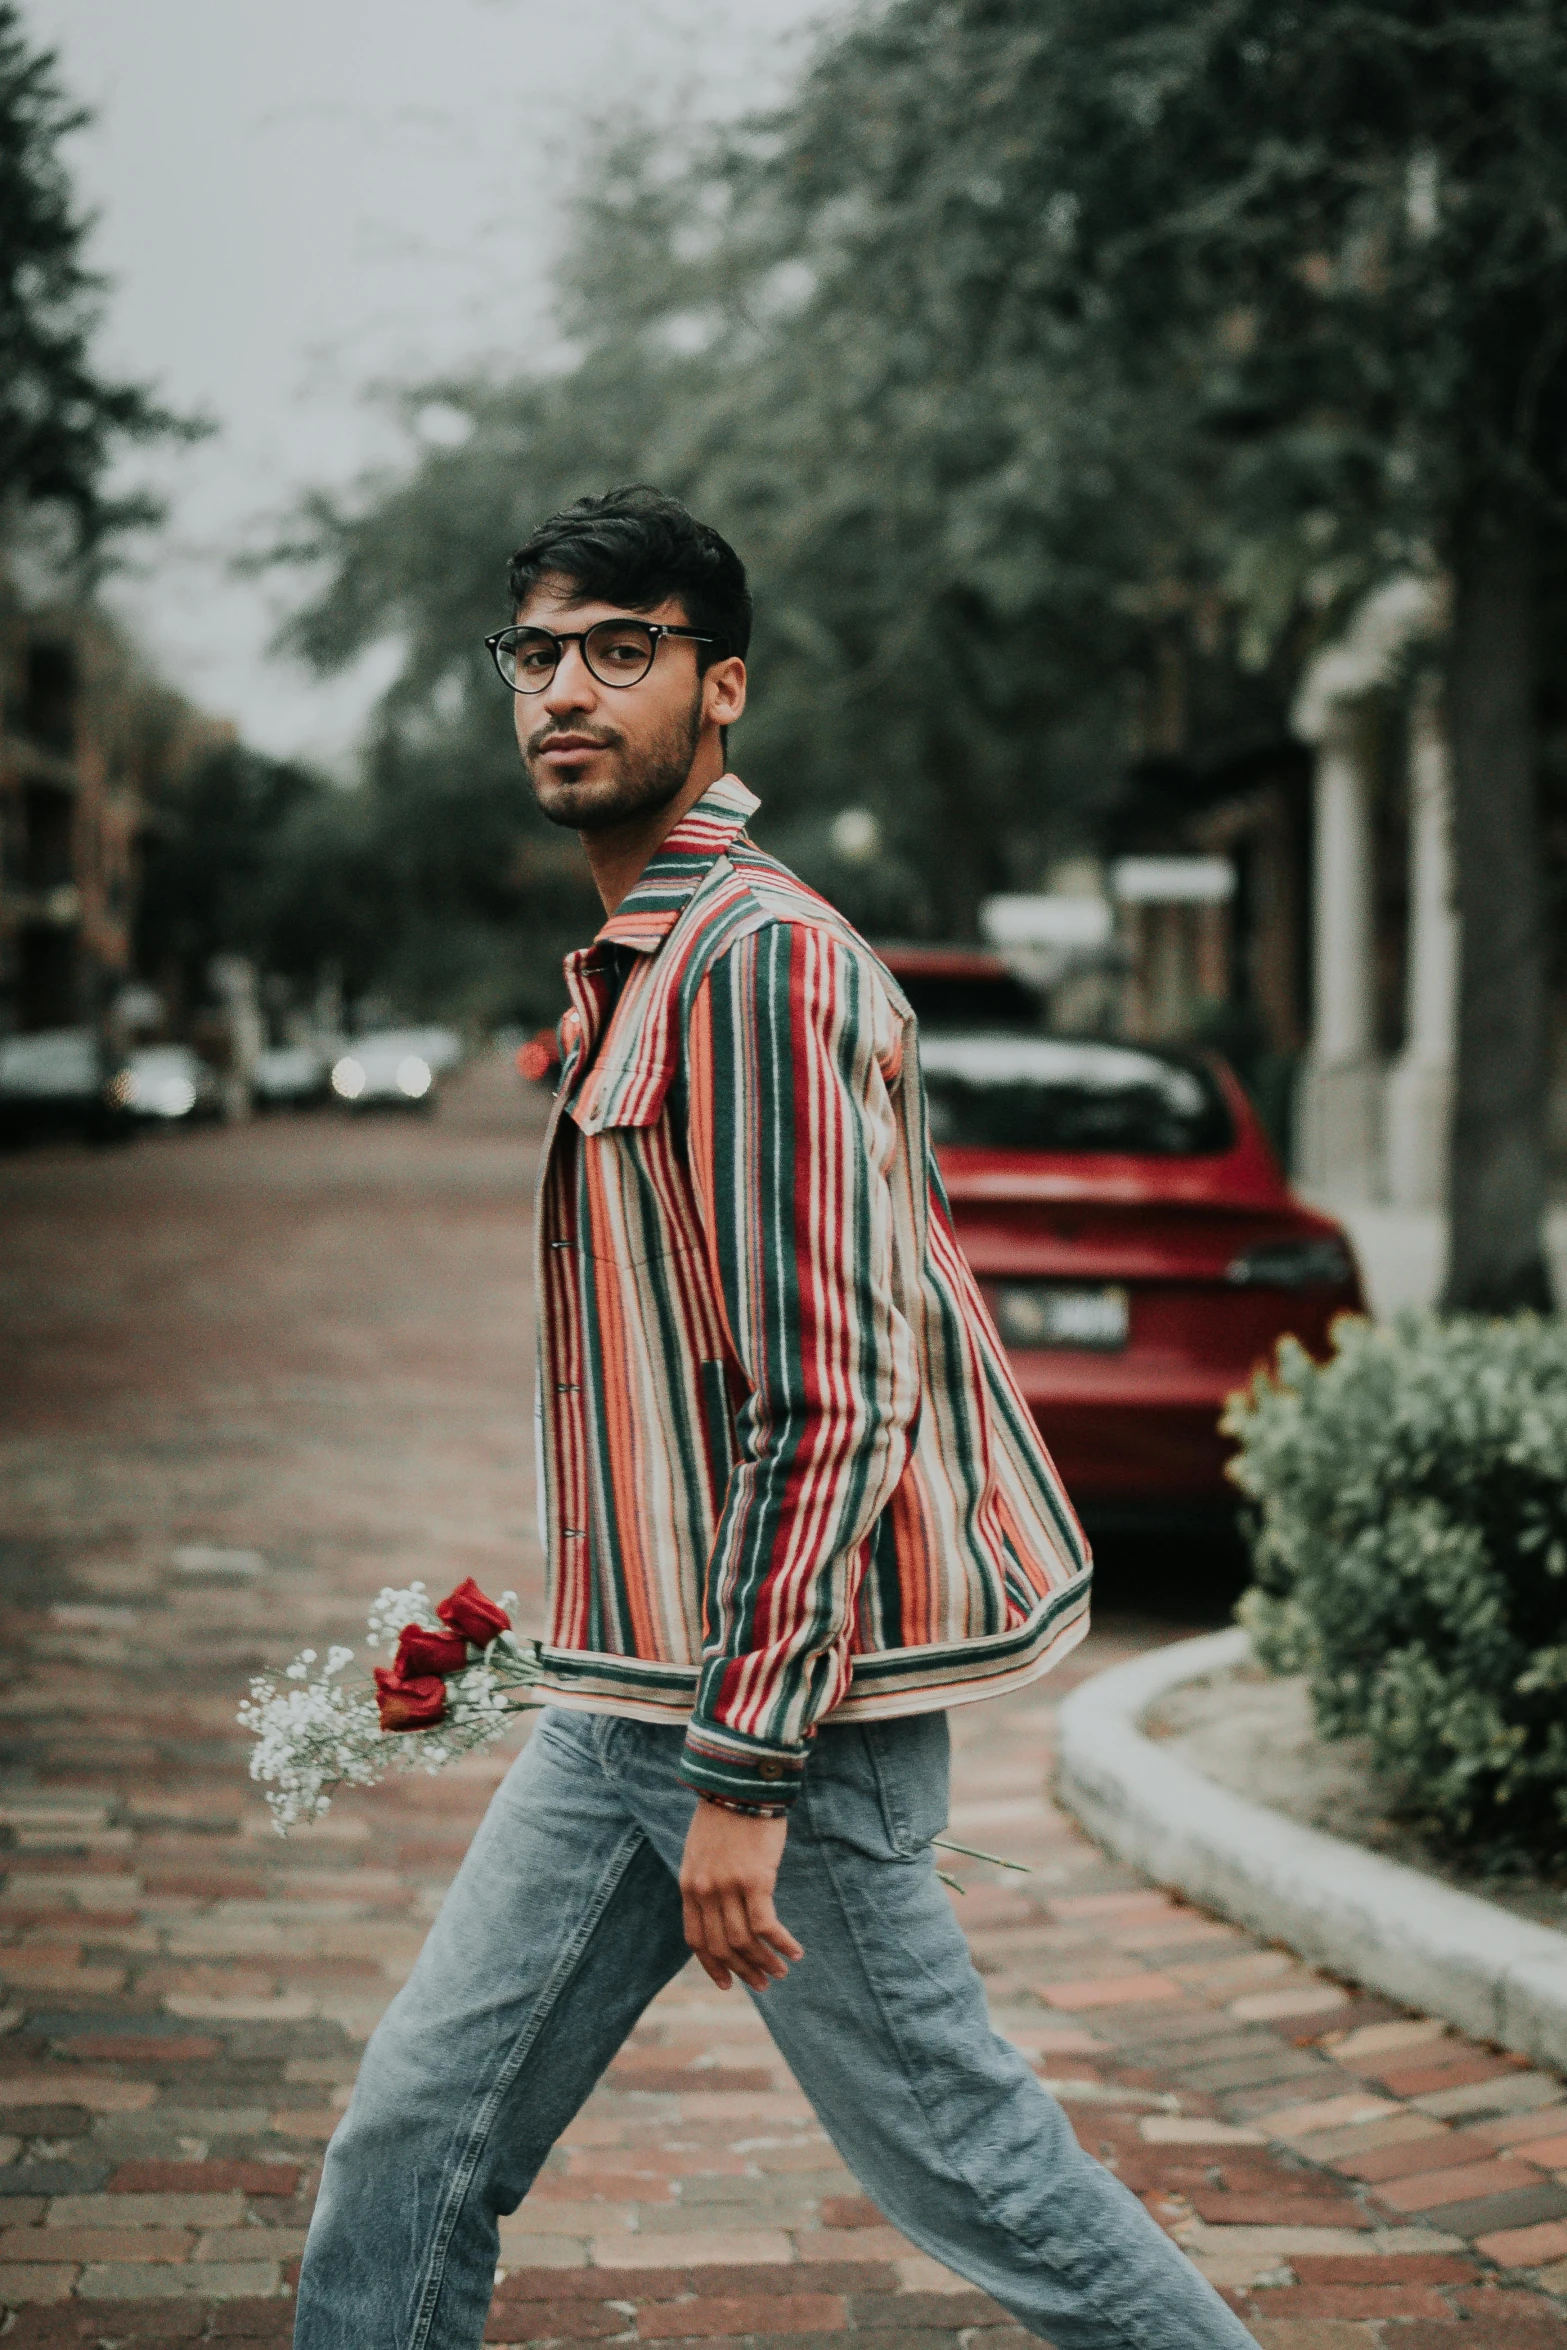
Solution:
(1024, 1093)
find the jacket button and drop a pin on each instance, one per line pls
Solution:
(770, 1770)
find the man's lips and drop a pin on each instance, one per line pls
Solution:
(569, 746)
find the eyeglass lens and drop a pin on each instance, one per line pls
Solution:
(617, 652)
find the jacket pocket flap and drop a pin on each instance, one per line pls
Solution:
(627, 1096)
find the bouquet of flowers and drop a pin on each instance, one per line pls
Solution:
(451, 1688)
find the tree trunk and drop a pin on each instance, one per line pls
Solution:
(1496, 1253)
(968, 864)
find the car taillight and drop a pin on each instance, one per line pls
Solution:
(539, 1058)
(1313, 1261)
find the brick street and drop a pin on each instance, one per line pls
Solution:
(253, 1374)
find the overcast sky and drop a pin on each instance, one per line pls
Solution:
(304, 198)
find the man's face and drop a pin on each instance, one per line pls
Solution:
(599, 754)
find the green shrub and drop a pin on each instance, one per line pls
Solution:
(1409, 1539)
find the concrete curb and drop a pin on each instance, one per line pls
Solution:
(1496, 1976)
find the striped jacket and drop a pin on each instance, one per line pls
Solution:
(784, 1468)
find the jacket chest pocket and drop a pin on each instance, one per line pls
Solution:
(635, 1203)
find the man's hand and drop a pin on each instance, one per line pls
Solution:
(726, 1887)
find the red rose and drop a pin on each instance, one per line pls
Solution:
(409, 1705)
(420, 1652)
(469, 1612)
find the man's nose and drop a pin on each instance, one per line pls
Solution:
(573, 686)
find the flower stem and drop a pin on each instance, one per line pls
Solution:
(971, 1852)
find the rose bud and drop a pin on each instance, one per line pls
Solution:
(409, 1705)
(420, 1652)
(469, 1612)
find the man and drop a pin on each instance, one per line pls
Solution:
(793, 1507)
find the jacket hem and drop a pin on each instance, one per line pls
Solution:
(883, 1684)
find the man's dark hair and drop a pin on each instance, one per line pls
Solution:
(633, 547)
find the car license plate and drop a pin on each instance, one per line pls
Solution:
(1043, 1313)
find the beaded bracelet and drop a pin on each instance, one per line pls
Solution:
(746, 1811)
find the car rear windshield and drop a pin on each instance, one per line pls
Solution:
(949, 999)
(1027, 1093)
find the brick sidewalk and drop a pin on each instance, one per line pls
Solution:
(308, 1342)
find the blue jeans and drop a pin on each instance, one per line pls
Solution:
(564, 1922)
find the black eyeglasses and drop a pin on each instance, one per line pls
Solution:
(617, 652)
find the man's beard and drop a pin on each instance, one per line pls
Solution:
(649, 777)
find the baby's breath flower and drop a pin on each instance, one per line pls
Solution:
(325, 1732)
(392, 1609)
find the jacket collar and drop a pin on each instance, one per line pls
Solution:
(648, 912)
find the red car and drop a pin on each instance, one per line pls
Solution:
(1131, 1227)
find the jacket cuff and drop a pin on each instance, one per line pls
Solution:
(741, 1770)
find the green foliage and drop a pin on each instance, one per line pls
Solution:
(213, 865)
(412, 886)
(61, 421)
(1312, 259)
(1034, 351)
(1409, 1536)
(951, 556)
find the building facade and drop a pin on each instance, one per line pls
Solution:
(83, 733)
(1334, 964)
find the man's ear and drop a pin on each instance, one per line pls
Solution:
(723, 691)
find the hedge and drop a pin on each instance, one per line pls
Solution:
(1408, 1527)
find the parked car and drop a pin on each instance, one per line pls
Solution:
(441, 1047)
(291, 1077)
(961, 987)
(170, 1084)
(1132, 1229)
(390, 1070)
(61, 1081)
(1138, 1245)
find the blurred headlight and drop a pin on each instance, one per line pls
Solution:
(174, 1097)
(1315, 1261)
(348, 1078)
(413, 1078)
